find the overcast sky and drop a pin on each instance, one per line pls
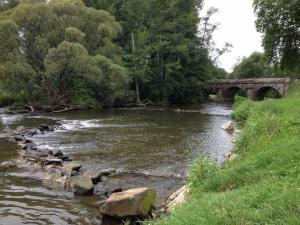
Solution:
(237, 26)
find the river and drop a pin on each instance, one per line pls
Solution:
(159, 143)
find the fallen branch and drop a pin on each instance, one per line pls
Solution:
(66, 109)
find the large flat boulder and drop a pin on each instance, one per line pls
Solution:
(34, 155)
(133, 202)
(81, 185)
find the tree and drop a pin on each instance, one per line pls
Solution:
(62, 49)
(8, 4)
(254, 66)
(166, 57)
(279, 21)
(206, 31)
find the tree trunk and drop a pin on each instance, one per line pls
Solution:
(137, 89)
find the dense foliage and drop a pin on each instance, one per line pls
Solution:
(279, 21)
(60, 52)
(254, 66)
(261, 186)
(167, 60)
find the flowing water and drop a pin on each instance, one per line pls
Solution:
(160, 143)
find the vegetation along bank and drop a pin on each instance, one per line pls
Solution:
(261, 185)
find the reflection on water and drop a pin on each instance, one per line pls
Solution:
(154, 142)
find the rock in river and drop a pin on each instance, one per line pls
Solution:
(133, 202)
(81, 185)
(72, 166)
(52, 161)
(30, 146)
(18, 138)
(59, 153)
(54, 178)
(8, 164)
(229, 126)
(34, 155)
(96, 175)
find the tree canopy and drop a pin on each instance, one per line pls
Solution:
(62, 49)
(63, 52)
(167, 58)
(279, 21)
(254, 66)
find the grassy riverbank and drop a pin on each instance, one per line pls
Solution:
(262, 185)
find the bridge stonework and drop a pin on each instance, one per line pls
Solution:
(255, 88)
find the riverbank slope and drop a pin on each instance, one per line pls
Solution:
(260, 186)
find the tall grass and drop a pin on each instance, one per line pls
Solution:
(261, 186)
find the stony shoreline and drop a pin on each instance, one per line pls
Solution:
(57, 170)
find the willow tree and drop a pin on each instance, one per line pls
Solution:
(55, 48)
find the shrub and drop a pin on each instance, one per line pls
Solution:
(7, 99)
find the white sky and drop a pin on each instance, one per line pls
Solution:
(237, 26)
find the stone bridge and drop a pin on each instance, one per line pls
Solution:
(254, 89)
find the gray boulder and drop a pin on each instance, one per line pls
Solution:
(34, 155)
(96, 175)
(18, 138)
(81, 185)
(72, 166)
(133, 202)
(30, 147)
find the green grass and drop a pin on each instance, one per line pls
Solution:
(261, 186)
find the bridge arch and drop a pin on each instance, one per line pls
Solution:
(260, 93)
(232, 91)
(255, 88)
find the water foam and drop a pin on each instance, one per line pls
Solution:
(80, 124)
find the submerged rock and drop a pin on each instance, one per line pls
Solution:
(122, 180)
(8, 164)
(96, 175)
(30, 146)
(20, 128)
(7, 130)
(81, 185)
(28, 141)
(32, 132)
(18, 138)
(59, 153)
(101, 189)
(229, 126)
(55, 178)
(133, 202)
(107, 172)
